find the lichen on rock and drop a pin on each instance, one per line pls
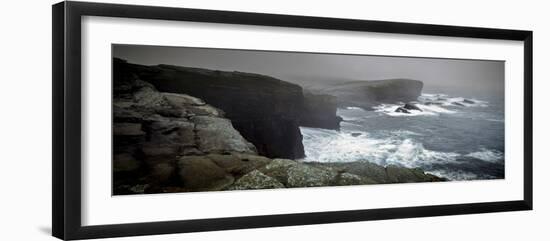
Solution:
(255, 180)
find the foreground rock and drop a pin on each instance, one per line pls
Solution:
(293, 174)
(256, 180)
(281, 173)
(371, 173)
(246, 172)
(152, 131)
(238, 171)
(366, 94)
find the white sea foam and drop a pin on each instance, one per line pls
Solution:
(445, 100)
(427, 110)
(432, 105)
(332, 146)
(389, 109)
(487, 155)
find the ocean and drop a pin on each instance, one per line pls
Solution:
(459, 138)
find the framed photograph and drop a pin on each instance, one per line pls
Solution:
(170, 120)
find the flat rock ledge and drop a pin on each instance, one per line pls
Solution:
(239, 171)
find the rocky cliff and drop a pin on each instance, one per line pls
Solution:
(153, 130)
(265, 110)
(366, 94)
(166, 142)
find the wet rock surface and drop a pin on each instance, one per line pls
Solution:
(153, 131)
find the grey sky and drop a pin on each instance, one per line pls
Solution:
(310, 70)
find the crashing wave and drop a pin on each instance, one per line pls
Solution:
(360, 146)
(427, 110)
(431, 105)
(396, 147)
(445, 100)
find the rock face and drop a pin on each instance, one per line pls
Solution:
(199, 173)
(153, 130)
(256, 180)
(265, 110)
(281, 173)
(293, 174)
(366, 94)
(320, 111)
(407, 108)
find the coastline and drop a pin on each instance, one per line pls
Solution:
(170, 135)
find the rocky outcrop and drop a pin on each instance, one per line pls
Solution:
(293, 174)
(248, 172)
(371, 173)
(256, 180)
(407, 108)
(411, 106)
(366, 94)
(282, 173)
(153, 130)
(265, 110)
(402, 110)
(320, 111)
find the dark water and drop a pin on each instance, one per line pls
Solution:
(455, 137)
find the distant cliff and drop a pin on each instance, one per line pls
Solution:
(265, 110)
(320, 111)
(367, 94)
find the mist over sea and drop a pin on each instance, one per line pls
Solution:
(459, 136)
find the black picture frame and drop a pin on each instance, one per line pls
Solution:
(66, 198)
